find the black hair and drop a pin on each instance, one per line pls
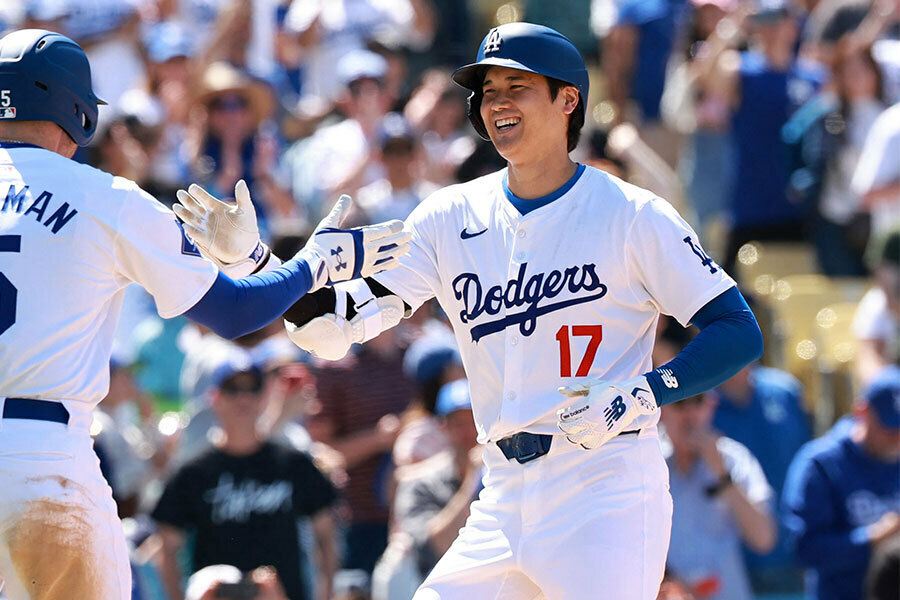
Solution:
(576, 119)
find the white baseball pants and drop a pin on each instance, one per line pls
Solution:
(574, 524)
(60, 536)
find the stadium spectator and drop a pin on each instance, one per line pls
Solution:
(828, 133)
(402, 188)
(241, 499)
(340, 157)
(433, 496)
(329, 30)
(437, 109)
(842, 493)
(762, 408)
(636, 39)
(721, 499)
(877, 177)
(361, 398)
(765, 84)
(876, 324)
(119, 428)
(232, 141)
(431, 361)
(693, 106)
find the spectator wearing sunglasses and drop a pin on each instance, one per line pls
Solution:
(242, 498)
(232, 139)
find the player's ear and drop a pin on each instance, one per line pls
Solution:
(570, 96)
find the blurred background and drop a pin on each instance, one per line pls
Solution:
(773, 126)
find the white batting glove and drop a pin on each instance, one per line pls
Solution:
(335, 254)
(604, 410)
(227, 231)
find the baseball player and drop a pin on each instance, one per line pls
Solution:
(71, 239)
(553, 276)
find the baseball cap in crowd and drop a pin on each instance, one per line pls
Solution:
(394, 128)
(360, 64)
(234, 363)
(883, 395)
(166, 41)
(429, 355)
(204, 579)
(453, 396)
(770, 10)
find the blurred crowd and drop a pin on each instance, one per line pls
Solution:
(248, 470)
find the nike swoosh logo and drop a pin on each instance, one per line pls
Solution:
(464, 234)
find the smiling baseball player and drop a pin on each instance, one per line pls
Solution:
(71, 239)
(553, 275)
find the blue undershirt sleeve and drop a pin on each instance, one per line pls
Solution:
(729, 340)
(235, 307)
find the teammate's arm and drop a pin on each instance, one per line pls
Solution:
(234, 307)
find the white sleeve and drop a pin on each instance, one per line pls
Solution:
(872, 320)
(152, 250)
(417, 279)
(745, 471)
(668, 266)
(878, 165)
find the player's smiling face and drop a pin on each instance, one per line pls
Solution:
(521, 119)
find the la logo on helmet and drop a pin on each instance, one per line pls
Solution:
(493, 41)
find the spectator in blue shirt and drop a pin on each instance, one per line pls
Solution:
(762, 408)
(767, 84)
(841, 498)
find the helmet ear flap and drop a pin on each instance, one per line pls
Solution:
(474, 111)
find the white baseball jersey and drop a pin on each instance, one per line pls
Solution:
(71, 239)
(569, 291)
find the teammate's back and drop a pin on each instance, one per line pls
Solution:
(71, 238)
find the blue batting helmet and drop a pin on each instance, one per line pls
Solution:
(526, 47)
(45, 76)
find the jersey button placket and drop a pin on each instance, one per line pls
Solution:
(513, 364)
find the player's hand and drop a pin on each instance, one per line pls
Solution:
(336, 254)
(226, 231)
(602, 410)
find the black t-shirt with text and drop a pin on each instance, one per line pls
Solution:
(243, 510)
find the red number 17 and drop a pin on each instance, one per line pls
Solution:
(565, 353)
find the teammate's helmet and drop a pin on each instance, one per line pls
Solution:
(45, 76)
(526, 47)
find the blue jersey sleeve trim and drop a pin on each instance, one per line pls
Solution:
(236, 307)
(729, 340)
(525, 206)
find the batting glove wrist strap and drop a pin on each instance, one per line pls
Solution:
(335, 254)
(259, 261)
(602, 410)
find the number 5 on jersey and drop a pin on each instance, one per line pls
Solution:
(595, 332)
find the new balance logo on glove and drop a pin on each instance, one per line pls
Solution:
(614, 412)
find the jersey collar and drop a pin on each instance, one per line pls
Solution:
(525, 206)
(8, 145)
